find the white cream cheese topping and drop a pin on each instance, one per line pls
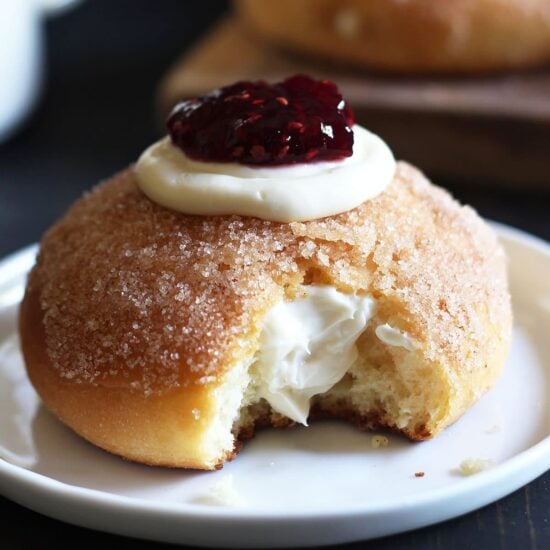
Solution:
(298, 192)
(393, 337)
(307, 345)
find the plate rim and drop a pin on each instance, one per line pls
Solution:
(506, 477)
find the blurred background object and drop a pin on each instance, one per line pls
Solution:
(21, 57)
(105, 60)
(407, 36)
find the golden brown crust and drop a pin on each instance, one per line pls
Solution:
(133, 312)
(157, 430)
(408, 35)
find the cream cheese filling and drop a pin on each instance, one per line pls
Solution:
(394, 337)
(307, 345)
(298, 192)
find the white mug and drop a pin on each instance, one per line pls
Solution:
(21, 57)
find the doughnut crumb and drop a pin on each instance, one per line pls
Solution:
(472, 466)
(378, 441)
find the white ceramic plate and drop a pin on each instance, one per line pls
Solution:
(320, 485)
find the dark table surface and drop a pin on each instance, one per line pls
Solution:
(96, 115)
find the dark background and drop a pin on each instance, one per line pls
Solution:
(104, 60)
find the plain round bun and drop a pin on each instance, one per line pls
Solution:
(140, 325)
(408, 35)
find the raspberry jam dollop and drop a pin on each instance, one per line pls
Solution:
(299, 120)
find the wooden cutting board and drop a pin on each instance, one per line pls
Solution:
(490, 129)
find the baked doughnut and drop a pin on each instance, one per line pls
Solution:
(146, 330)
(408, 35)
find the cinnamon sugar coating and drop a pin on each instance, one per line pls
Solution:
(137, 296)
